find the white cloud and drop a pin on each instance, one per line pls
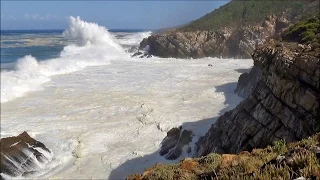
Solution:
(39, 17)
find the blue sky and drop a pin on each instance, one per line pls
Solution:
(112, 14)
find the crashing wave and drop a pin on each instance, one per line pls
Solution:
(94, 45)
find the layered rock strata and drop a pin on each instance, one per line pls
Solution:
(226, 42)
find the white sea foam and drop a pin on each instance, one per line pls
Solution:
(108, 122)
(94, 46)
(132, 39)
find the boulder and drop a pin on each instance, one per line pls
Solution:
(172, 145)
(22, 155)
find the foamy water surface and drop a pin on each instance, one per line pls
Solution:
(103, 113)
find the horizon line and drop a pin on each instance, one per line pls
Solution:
(64, 29)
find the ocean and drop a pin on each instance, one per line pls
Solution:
(47, 44)
(102, 112)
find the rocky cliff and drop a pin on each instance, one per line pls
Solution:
(283, 105)
(236, 34)
(235, 43)
(284, 102)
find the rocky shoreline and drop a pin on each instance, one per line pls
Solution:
(282, 105)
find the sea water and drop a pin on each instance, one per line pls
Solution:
(101, 112)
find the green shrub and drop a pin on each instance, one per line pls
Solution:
(280, 146)
(306, 31)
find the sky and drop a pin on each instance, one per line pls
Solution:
(112, 14)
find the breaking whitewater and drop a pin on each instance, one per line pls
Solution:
(103, 113)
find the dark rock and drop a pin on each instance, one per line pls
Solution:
(247, 82)
(137, 54)
(210, 65)
(170, 141)
(22, 155)
(142, 55)
(173, 143)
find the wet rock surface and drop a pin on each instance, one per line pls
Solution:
(141, 55)
(133, 49)
(172, 145)
(22, 155)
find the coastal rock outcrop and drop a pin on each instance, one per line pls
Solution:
(284, 104)
(173, 144)
(225, 43)
(232, 31)
(22, 155)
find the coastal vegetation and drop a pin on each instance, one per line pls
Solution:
(238, 12)
(306, 31)
(279, 161)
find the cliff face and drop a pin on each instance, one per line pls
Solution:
(236, 38)
(247, 82)
(283, 105)
(228, 42)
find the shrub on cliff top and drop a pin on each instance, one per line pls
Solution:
(281, 161)
(306, 31)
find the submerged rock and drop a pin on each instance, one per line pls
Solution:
(172, 145)
(141, 55)
(22, 155)
(133, 49)
(137, 54)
